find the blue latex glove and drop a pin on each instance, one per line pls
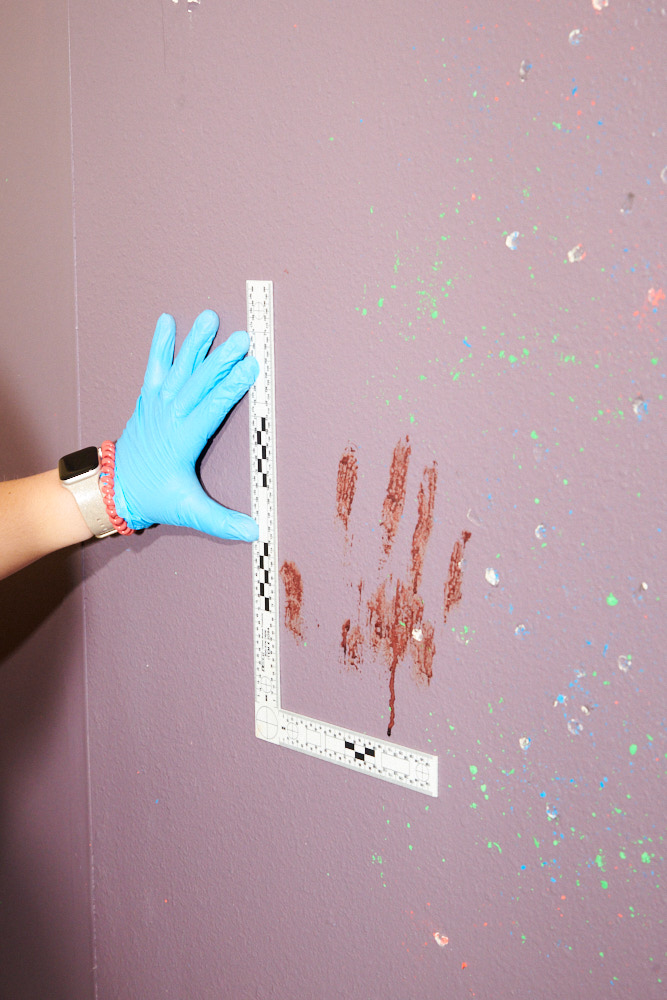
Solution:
(182, 403)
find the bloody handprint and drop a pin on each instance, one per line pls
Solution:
(392, 621)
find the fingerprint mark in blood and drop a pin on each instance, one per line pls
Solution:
(352, 644)
(424, 526)
(453, 593)
(293, 584)
(394, 501)
(346, 484)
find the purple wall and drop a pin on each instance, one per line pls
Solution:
(374, 161)
(45, 922)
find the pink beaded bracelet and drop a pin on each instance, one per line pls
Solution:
(108, 465)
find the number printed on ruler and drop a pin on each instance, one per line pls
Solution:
(357, 751)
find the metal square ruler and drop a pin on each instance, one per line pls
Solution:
(357, 751)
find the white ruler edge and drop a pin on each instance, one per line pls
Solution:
(357, 751)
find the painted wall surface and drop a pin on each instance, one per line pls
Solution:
(462, 208)
(45, 921)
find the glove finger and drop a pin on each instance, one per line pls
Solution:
(161, 356)
(193, 350)
(211, 372)
(207, 515)
(205, 419)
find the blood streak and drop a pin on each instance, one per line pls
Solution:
(394, 501)
(453, 591)
(346, 484)
(293, 584)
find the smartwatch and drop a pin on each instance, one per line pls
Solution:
(80, 474)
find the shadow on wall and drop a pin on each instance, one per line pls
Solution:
(43, 807)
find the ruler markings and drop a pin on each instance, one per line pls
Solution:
(360, 752)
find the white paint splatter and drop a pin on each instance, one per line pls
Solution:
(600, 4)
(663, 175)
(524, 742)
(473, 517)
(639, 407)
(540, 532)
(512, 240)
(575, 727)
(521, 631)
(575, 37)
(625, 663)
(524, 70)
(491, 577)
(417, 635)
(440, 939)
(576, 254)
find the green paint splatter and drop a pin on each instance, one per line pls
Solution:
(633, 749)
(612, 601)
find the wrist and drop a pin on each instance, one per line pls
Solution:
(88, 476)
(107, 488)
(79, 474)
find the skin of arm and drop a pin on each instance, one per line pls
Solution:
(184, 399)
(37, 516)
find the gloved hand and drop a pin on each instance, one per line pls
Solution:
(182, 403)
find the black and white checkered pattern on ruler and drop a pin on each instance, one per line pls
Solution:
(262, 454)
(264, 578)
(359, 754)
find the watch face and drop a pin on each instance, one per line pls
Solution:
(78, 463)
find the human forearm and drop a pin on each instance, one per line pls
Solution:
(149, 475)
(37, 516)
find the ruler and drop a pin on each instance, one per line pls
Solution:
(336, 744)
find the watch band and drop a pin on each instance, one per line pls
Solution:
(84, 485)
(91, 504)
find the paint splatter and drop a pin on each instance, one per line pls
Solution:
(440, 939)
(626, 207)
(346, 484)
(293, 584)
(453, 592)
(394, 501)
